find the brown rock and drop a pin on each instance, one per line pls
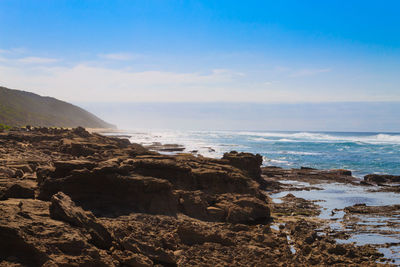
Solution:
(31, 238)
(128, 258)
(243, 209)
(20, 189)
(64, 168)
(378, 178)
(191, 234)
(103, 193)
(245, 161)
(7, 172)
(186, 172)
(64, 209)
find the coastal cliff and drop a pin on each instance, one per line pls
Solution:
(72, 198)
(20, 108)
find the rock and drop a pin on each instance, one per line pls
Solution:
(7, 172)
(102, 193)
(379, 178)
(245, 161)
(216, 214)
(80, 131)
(64, 209)
(31, 238)
(341, 172)
(192, 234)
(243, 209)
(186, 172)
(20, 189)
(77, 148)
(337, 249)
(44, 172)
(224, 207)
(156, 146)
(309, 175)
(128, 258)
(306, 168)
(18, 173)
(193, 204)
(64, 168)
(25, 168)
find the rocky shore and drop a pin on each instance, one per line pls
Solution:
(72, 198)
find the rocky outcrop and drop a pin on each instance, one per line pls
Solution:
(62, 208)
(17, 189)
(108, 194)
(30, 237)
(187, 172)
(308, 175)
(247, 162)
(381, 178)
(227, 207)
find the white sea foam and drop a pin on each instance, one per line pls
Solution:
(300, 153)
(322, 137)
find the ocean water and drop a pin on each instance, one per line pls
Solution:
(363, 153)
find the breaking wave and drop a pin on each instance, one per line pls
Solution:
(378, 138)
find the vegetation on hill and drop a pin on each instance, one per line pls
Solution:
(4, 127)
(20, 108)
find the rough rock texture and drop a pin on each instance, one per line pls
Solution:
(64, 209)
(245, 161)
(308, 175)
(28, 236)
(380, 178)
(72, 198)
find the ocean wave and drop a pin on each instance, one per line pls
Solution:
(378, 138)
(284, 152)
(277, 161)
(300, 153)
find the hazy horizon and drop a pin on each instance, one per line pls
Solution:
(339, 117)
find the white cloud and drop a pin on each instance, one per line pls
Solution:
(119, 56)
(37, 60)
(92, 83)
(308, 72)
(96, 82)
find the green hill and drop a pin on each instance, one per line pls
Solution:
(20, 108)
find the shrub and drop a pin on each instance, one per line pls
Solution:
(4, 127)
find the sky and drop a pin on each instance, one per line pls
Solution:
(177, 51)
(202, 51)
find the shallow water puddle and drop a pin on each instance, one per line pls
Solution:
(382, 231)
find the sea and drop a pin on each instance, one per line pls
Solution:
(361, 152)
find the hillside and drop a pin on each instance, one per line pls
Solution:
(20, 108)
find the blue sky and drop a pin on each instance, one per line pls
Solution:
(206, 51)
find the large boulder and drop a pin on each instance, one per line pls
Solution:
(247, 162)
(64, 209)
